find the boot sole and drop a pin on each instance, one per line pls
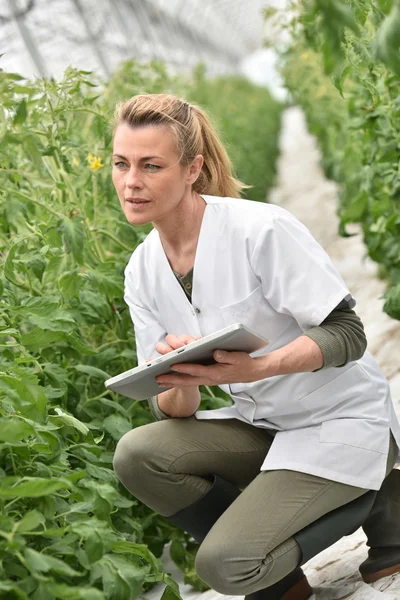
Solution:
(300, 591)
(372, 577)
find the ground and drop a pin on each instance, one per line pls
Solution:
(302, 189)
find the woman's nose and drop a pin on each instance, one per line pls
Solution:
(133, 179)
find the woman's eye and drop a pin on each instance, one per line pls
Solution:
(118, 163)
(151, 167)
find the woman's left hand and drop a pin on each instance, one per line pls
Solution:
(231, 367)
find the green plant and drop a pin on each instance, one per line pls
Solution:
(68, 528)
(344, 72)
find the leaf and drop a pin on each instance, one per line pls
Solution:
(68, 592)
(117, 426)
(123, 571)
(9, 264)
(170, 594)
(38, 338)
(30, 521)
(70, 284)
(13, 430)
(73, 236)
(392, 304)
(93, 371)
(37, 561)
(31, 487)
(172, 585)
(58, 320)
(14, 591)
(338, 81)
(21, 113)
(41, 306)
(387, 40)
(71, 421)
(126, 547)
(94, 547)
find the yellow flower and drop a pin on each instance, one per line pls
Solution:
(305, 55)
(94, 162)
(75, 161)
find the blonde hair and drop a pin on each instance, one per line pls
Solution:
(195, 134)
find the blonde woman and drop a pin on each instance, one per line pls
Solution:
(298, 460)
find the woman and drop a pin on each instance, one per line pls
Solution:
(312, 427)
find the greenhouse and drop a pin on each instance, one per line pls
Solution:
(219, 179)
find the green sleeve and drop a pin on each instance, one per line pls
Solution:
(340, 336)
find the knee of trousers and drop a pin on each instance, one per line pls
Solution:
(228, 571)
(216, 569)
(136, 457)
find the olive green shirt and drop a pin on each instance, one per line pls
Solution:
(340, 337)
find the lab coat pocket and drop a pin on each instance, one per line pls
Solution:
(238, 308)
(255, 312)
(350, 385)
(359, 433)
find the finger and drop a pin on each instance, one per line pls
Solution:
(183, 381)
(186, 338)
(174, 341)
(195, 370)
(162, 348)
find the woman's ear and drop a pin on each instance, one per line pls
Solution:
(195, 169)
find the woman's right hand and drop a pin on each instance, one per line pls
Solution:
(180, 401)
(174, 342)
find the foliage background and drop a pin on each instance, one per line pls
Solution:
(68, 529)
(343, 68)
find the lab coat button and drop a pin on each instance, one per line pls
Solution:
(197, 310)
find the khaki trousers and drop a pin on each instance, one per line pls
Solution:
(167, 466)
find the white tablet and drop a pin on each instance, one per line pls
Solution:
(139, 383)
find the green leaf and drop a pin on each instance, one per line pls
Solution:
(70, 284)
(68, 592)
(122, 574)
(12, 590)
(30, 521)
(38, 338)
(31, 487)
(126, 547)
(9, 264)
(173, 586)
(40, 306)
(21, 113)
(71, 421)
(392, 304)
(338, 81)
(94, 547)
(170, 594)
(74, 237)
(58, 320)
(387, 41)
(117, 426)
(37, 561)
(93, 371)
(13, 430)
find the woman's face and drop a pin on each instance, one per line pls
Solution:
(146, 167)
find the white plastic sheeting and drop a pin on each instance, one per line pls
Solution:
(43, 37)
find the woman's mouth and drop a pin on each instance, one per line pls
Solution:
(136, 203)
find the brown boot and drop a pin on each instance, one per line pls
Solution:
(292, 587)
(382, 529)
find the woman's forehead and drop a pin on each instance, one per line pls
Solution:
(135, 142)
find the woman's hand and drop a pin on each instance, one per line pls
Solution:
(174, 342)
(231, 367)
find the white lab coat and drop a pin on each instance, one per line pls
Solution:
(258, 265)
